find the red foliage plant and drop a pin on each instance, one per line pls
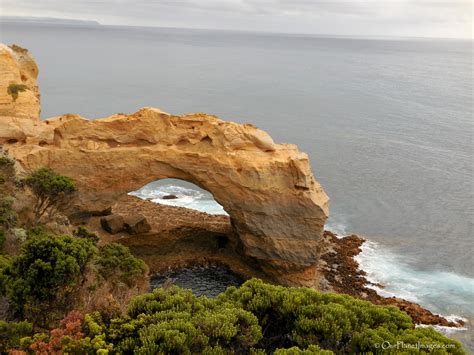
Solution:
(70, 327)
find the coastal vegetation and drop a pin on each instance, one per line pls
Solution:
(42, 277)
(256, 318)
(14, 89)
(8, 216)
(53, 192)
(68, 293)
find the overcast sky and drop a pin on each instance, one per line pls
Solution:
(419, 18)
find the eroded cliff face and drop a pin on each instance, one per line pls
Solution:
(277, 208)
(19, 94)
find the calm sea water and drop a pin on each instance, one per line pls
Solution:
(387, 123)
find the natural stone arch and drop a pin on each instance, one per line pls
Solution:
(277, 208)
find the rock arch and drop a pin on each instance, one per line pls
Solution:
(276, 206)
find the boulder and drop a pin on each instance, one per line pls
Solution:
(137, 224)
(169, 197)
(113, 223)
(104, 212)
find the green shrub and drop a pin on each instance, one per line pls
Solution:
(5, 263)
(311, 350)
(11, 334)
(115, 260)
(51, 190)
(6, 162)
(15, 89)
(2, 239)
(45, 272)
(8, 217)
(176, 321)
(258, 318)
(82, 232)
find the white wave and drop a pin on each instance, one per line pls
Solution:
(337, 226)
(185, 197)
(438, 291)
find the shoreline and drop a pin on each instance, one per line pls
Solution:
(182, 237)
(344, 276)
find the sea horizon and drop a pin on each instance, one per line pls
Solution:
(58, 21)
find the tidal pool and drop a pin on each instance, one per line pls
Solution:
(202, 280)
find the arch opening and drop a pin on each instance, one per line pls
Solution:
(185, 247)
(180, 193)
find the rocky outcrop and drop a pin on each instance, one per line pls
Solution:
(19, 94)
(276, 206)
(343, 275)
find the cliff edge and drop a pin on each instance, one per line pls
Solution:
(276, 206)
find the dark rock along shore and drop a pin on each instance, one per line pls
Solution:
(182, 237)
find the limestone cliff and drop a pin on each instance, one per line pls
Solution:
(19, 94)
(276, 206)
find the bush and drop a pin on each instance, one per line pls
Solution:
(176, 321)
(5, 263)
(303, 317)
(15, 89)
(68, 338)
(256, 318)
(82, 232)
(311, 350)
(116, 260)
(259, 318)
(8, 217)
(2, 239)
(45, 272)
(6, 163)
(11, 334)
(51, 190)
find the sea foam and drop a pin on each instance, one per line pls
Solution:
(442, 292)
(186, 196)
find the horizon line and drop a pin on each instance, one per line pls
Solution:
(90, 22)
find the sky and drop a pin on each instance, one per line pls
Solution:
(413, 18)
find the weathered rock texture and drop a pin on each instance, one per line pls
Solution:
(19, 94)
(276, 206)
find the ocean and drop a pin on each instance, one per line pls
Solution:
(387, 123)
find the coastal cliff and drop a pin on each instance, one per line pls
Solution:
(276, 207)
(19, 93)
(277, 210)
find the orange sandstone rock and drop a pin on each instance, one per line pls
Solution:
(277, 208)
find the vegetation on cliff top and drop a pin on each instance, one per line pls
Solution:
(14, 89)
(42, 277)
(53, 192)
(8, 216)
(256, 318)
(51, 274)
(41, 282)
